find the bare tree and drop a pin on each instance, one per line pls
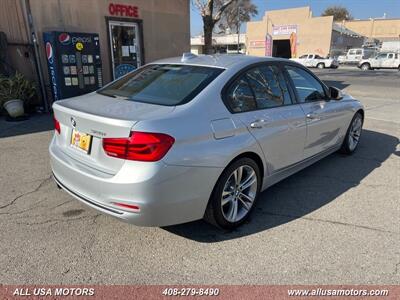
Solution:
(211, 12)
(339, 13)
(235, 15)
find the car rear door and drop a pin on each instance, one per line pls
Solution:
(324, 117)
(260, 98)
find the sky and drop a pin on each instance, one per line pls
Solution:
(359, 9)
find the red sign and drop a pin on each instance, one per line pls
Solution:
(123, 10)
(257, 44)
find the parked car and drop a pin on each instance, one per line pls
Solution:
(199, 137)
(388, 60)
(354, 55)
(316, 61)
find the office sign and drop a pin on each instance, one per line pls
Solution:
(123, 10)
(284, 29)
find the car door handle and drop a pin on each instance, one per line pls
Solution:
(312, 116)
(258, 123)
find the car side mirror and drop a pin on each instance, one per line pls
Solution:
(335, 93)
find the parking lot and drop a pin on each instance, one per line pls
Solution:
(337, 221)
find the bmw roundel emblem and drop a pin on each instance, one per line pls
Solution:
(73, 122)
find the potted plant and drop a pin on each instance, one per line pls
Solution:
(14, 91)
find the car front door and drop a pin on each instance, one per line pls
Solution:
(324, 117)
(351, 56)
(377, 62)
(389, 62)
(260, 98)
(309, 60)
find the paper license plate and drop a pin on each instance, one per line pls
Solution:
(81, 141)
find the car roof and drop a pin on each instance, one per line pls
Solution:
(224, 61)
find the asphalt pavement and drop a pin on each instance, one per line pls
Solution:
(337, 221)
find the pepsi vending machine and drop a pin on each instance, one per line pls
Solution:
(74, 63)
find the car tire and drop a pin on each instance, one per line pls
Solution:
(321, 66)
(353, 135)
(365, 67)
(228, 197)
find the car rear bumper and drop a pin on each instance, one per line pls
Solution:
(165, 194)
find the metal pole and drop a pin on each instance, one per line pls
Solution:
(32, 36)
(238, 28)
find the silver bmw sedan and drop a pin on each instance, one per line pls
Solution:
(197, 137)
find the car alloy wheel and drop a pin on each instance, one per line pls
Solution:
(234, 194)
(239, 193)
(321, 66)
(355, 132)
(365, 67)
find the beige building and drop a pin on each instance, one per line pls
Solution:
(380, 29)
(133, 32)
(294, 32)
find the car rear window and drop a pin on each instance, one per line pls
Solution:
(163, 84)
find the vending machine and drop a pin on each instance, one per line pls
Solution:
(74, 63)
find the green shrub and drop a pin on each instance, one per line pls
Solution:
(16, 87)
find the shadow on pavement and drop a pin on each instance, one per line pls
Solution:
(36, 123)
(303, 192)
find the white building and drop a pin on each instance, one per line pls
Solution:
(227, 43)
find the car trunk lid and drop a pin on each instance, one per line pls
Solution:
(100, 117)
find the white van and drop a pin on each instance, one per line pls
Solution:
(355, 55)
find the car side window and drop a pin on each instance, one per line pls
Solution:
(382, 56)
(259, 88)
(240, 96)
(396, 56)
(303, 56)
(390, 56)
(358, 52)
(308, 88)
(269, 87)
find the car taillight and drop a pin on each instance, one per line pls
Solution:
(57, 126)
(142, 146)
